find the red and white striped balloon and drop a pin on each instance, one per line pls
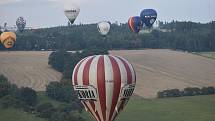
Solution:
(104, 84)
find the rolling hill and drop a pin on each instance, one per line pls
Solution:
(165, 69)
(157, 69)
(28, 69)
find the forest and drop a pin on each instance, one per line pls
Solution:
(176, 35)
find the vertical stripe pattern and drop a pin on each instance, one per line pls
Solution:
(108, 75)
(135, 24)
(131, 24)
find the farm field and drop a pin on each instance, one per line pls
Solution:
(28, 68)
(156, 69)
(160, 69)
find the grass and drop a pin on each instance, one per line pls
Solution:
(197, 108)
(42, 98)
(207, 54)
(12, 114)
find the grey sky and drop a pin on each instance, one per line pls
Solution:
(48, 13)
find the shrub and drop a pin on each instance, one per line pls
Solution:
(4, 86)
(189, 91)
(45, 110)
(208, 90)
(28, 96)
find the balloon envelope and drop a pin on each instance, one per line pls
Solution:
(20, 23)
(103, 27)
(148, 16)
(71, 12)
(135, 24)
(8, 39)
(104, 84)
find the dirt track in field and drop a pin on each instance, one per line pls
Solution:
(28, 69)
(164, 69)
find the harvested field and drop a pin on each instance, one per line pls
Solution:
(28, 69)
(165, 69)
(156, 69)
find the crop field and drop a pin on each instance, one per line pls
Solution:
(28, 69)
(158, 70)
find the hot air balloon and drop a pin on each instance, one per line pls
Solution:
(20, 23)
(104, 84)
(71, 11)
(8, 39)
(148, 16)
(103, 27)
(135, 24)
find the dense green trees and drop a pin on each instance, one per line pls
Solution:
(189, 91)
(45, 110)
(26, 99)
(28, 96)
(4, 86)
(8, 89)
(11, 95)
(65, 62)
(187, 36)
(59, 59)
(61, 91)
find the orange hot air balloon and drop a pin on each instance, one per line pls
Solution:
(8, 39)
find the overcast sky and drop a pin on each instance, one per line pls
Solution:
(49, 13)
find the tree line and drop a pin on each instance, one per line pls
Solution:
(189, 91)
(26, 99)
(64, 61)
(11, 95)
(187, 36)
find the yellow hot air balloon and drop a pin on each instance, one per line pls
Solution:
(8, 39)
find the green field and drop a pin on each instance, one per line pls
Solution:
(42, 98)
(11, 114)
(207, 54)
(196, 108)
